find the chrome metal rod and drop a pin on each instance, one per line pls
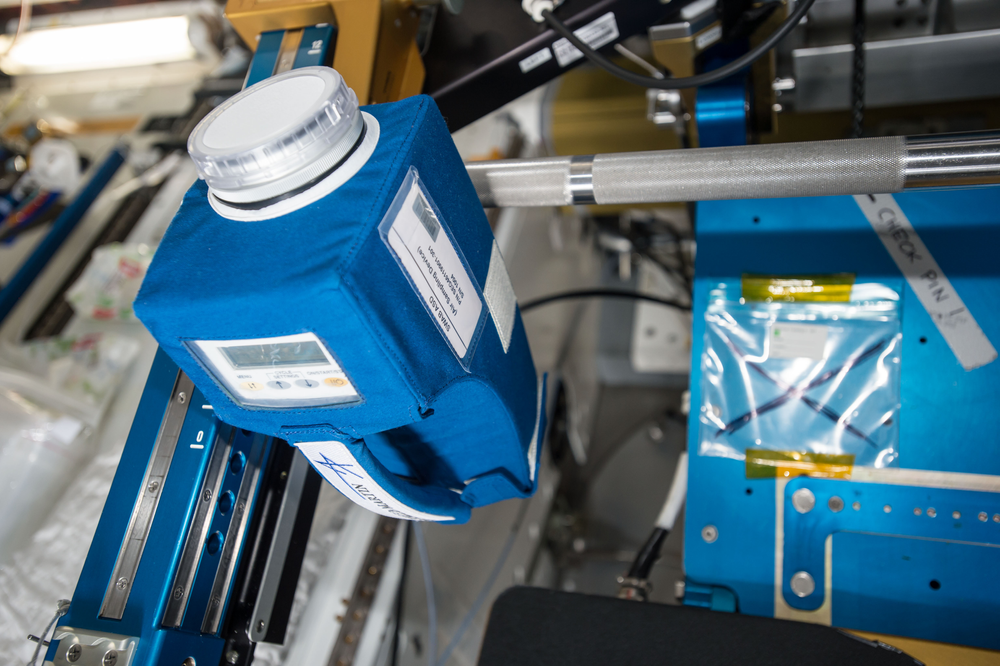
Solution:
(817, 168)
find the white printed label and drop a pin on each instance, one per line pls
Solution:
(796, 340)
(500, 297)
(428, 257)
(334, 461)
(597, 33)
(534, 60)
(961, 331)
(709, 37)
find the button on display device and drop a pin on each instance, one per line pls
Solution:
(288, 371)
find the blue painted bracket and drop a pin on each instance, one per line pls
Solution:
(942, 514)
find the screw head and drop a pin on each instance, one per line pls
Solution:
(709, 533)
(74, 652)
(983, 516)
(932, 512)
(241, 506)
(189, 662)
(232, 656)
(802, 584)
(110, 658)
(122, 583)
(956, 514)
(207, 495)
(260, 626)
(153, 486)
(178, 592)
(182, 397)
(887, 508)
(836, 504)
(803, 500)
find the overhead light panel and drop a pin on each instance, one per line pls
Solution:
(95, 47)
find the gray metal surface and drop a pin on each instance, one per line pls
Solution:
(364, 592)
(197, 534)
(933, 161)
(279, 547)
(818, 168)
(580, 183)
(234, 537)
(120, 585)
(915, 70)
(529, 182)
(87, 649)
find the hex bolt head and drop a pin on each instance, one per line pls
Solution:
(836, 504)
(803, 500)
(110, 658)
(74, 652)
(709, 533)
(802, 584)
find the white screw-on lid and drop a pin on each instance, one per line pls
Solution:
(277, 135)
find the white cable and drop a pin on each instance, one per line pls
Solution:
(653, 71)
(675, 498)
(61, 609)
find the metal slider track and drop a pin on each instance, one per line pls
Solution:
(234, 537)
(194, 544)
(130, 553)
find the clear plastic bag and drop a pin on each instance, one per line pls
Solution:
(40, 449)
(802, 377)
(85, 369)
(107, 287)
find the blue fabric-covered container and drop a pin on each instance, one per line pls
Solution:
(432, 433)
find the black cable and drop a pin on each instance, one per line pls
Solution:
(647, 555)
(858, 71)
(688, 81)
(601, 293)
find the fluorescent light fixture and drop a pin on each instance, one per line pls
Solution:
(103, 46)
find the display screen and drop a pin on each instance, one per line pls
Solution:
(303, 352)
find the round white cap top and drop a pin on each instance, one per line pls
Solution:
(277, 135)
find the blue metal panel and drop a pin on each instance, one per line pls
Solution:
(317, 42)
(925, 513)
(265, 57)
(721, 113)
(166, 535)
(938, 590)
(947, 416)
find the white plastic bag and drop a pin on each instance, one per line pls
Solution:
(108, 286)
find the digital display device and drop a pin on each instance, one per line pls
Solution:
(284, 372)
(246, 357)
